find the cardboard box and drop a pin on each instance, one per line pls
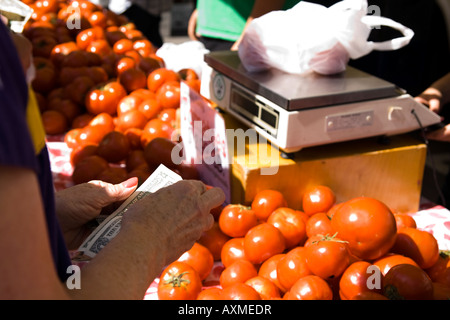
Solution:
(390, 171)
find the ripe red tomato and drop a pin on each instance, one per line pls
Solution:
(122, 45)
(131, 119)
(419, 245)
(266, 201)
(100, 47)
(368, 225)
(327, 256)
(160, 76)
(179, 281)
(150, 63)
(369, 295)
(291, 225)
(199, 258)
(235, 220)
(159, 151)
(155, 128)
(407, 282)
(386, 262)
(310, 288)
(232, 251)
(404, 220)
(292, 267)
(318, 199)
(78, 153)
(211, 293)
(269, 270)
(168, 95)
(54, 122)
(144, 47)
(45, 76)
(88, 169)
(150, 108)
(262, 242)
(125, 63)
(132, 79)
(104, 120)
(355, 280)
(266, 288)
(319, 223)
(85, 37)
(239, 271)
(105, 98)
(214, 239)
(240, 291)
(440, 270)
(114, 147)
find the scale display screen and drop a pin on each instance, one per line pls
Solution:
(255, 110)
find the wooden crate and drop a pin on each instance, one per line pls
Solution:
(390, 171)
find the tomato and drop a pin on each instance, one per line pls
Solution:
(188, 74)
(235, 220)
(386, 262)
(200, 258)
(168, 115)
(135, 159)
(212, 293)
(127, 103)
(310, 288)
(104, 120)
(114, 147)
(155, 128)
(327, 256)
(369, 295)
(333, 209)
(269, 270)
(131, 119)
(123, 45)
(97, 74)
(150, 63)
(43, 46)
(132, 79)
(88, 169)
(75, 59)
(291, 225)
(150, 108)
(238, 271)
(78, 87)
(404, 220)
(440, 270)
(262, 242)
(159, 151)
(441, 291)
(134, 137)
(113, 36)
(292, 267)
(97, 19)
(144, 47)
(100, 47)
(124, 63)
(355, 280)
(232, 251)
(407, 282)
(318, 199)
(417, 244)
(113, 175)
(168, 95)
(368, 225)
(319, 223)
(159, 76)
(45, 76)
(54, 122)
(214, 239)
(240, 291)
(80, 152)
(266, 288)
(179, 281)
(67, 107)
(105, 98)
(266, 201)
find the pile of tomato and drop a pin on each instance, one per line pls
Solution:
(353, 250)
(100, 84)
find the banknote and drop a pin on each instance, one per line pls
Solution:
(110, 227)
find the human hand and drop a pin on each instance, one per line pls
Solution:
(431, 97)
(173, 218)
(442, 134)
(77, 205)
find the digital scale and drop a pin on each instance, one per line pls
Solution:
(297, 111)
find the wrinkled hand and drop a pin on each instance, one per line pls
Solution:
(173, 218)
(77, 205)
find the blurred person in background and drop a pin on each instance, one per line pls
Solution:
(220, 24)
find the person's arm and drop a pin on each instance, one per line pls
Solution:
(154, 232)
(260, 8)
(192, 26)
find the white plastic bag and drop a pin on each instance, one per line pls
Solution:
(313, 37)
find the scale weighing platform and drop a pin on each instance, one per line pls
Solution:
(298, 111)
